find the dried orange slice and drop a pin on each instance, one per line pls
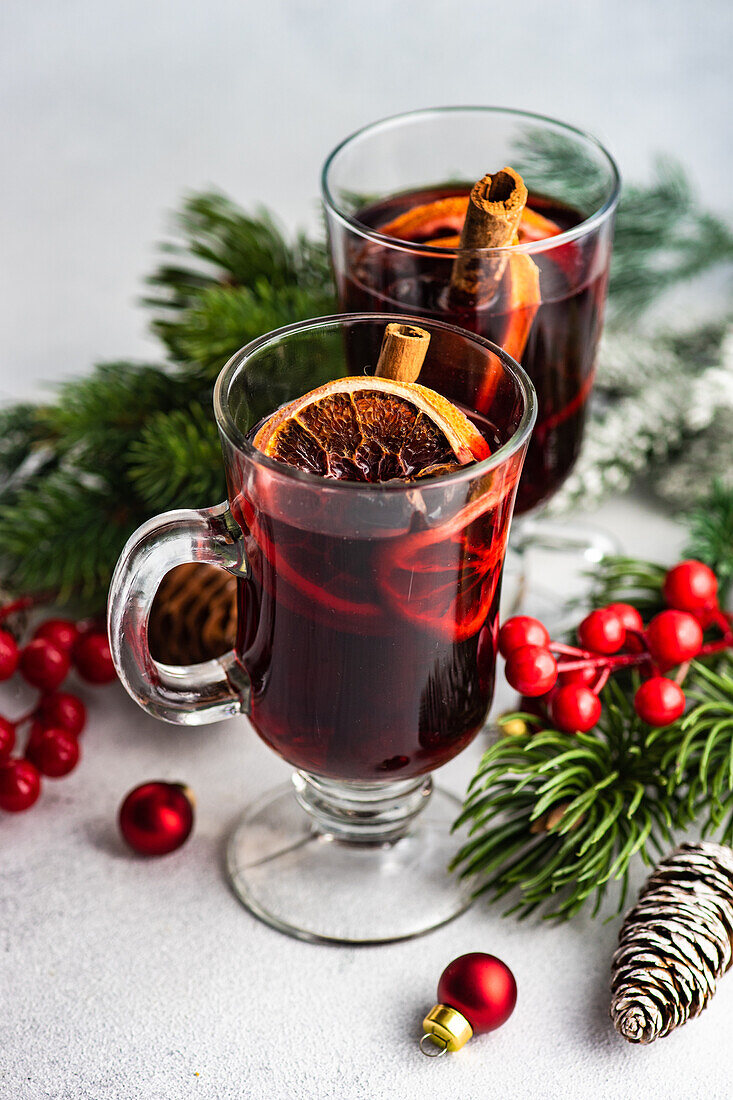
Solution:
(372, 430)
(440, 223)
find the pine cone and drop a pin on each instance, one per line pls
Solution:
(674, 944)
(194, 615)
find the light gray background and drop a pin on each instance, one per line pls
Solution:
(110, 111)
(126, 979)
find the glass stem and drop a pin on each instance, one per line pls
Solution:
(362, 813)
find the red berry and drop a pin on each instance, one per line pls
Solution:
(156, 818)
(628, 615)
(62, 632)
(43, 664)
(673, 637)
(691, 586)
(55, 752)
(20, 785)
(575, 707)
(659, 701)
(602, 631)
(585, 676)
(521, 630)
(9, 655)
(531, 670)
(63, 710)
(7, 738)
(93, 659)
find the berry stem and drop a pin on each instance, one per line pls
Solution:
(21, 604)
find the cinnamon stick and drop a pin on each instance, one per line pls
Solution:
(403, 352)
(494, 211)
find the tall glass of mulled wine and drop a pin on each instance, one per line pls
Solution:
(368, 578)
(396, 196)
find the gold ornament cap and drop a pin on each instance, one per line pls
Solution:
(446, 1028)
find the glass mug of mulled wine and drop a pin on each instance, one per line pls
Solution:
(366, 522)
(519, 256)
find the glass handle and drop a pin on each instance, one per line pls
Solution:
(189, 694)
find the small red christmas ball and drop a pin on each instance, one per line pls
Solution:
(43, 664)
(628, 615)
(93, 659)
(659, 701)
(20, 785)
(691, 586)
(157, 817)
(63, 710)
(575, 708)
(531, 670)
(9, 655)
(521, 630)
(602, 631)
(7, 738)
(55, 752)
(481, 987)
(62, 632)
(673, 637)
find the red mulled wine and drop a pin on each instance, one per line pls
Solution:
(369, 633)
(559, 335)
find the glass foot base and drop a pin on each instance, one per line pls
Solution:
(316, 887)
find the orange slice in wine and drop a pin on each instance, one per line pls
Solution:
(439, 223)
(372, 430)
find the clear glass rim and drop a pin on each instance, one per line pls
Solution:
(240, 358)
(587, 225)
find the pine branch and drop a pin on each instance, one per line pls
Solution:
(711, 535)
(654, 395)
(96, 418)
(221, 320)
(699, 750)
(177, 461)
(662, 239)
(555, 818)
(20, 435)
(62, 535)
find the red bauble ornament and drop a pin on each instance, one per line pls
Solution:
(575, 708)
(157, 817)
(659, 701)
(691, 586)
(55, 752)
(531, 670)
(521, 630)
(93, 659)
(674, 637)
(62, 632)
(7, 738)
(43, 664)
(477, 993)
(64, 711)
(9, 655)
(602, 631)
(20, 785)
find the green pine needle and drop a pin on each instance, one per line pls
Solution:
(609, 800)
(711, 535)
(177, 461)
(61, 536)
(220, 320)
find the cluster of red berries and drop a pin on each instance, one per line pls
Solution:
(614, 637)
(52, 745)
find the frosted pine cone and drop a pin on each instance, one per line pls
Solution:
(674, 944)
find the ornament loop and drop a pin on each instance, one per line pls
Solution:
(434, 1050)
